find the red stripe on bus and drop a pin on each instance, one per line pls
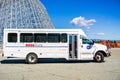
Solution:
(30, 45)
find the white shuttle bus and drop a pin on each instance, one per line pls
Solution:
(71, 44)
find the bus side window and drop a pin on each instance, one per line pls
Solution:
(53, 38)
(12, 37)
(87, 41)
(40, 37)
(63, 38)
(26, 37)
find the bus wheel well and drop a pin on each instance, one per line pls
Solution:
(104, 54)
(31, 53)
(31, 58)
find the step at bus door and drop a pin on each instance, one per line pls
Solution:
(73, 45)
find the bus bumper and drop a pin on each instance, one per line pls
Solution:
(108, 54)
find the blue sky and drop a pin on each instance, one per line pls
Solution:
(100, 19)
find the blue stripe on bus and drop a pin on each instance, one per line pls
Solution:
(37, 46)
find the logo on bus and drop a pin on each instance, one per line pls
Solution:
(30, 45)
(89, 47)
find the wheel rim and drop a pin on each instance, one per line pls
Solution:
(98, 57)
(32, 58)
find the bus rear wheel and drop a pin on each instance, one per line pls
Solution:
(31, 58)
(99, 57)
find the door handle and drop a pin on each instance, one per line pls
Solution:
(81, 46)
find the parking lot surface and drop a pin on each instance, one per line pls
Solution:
(17, 69)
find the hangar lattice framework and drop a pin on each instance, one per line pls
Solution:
(23, 14)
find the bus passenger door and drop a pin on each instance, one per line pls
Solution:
(73, 47)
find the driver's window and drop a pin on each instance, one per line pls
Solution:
(86, 41)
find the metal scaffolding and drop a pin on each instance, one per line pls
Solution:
(23, 14)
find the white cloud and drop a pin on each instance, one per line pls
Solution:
(101, 34)
(81, 21)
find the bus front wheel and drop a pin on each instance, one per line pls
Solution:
(99, 57)
(31, 58)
